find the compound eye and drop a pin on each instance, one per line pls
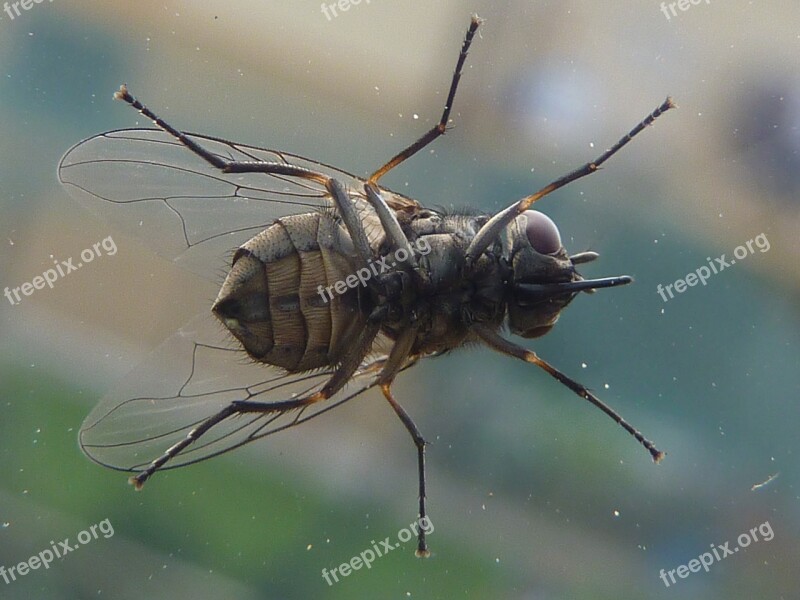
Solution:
(542, 233)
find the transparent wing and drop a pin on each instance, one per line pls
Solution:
(149, 185)
(191, 377)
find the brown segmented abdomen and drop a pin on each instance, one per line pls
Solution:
(271, 302)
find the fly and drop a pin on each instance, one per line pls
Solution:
(337, 286)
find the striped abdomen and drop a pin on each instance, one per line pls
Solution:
(270, 299)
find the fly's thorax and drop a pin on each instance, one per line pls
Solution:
(447, 237)
(533, 249)
(450, 297)
(444, 263)
(270, 300)
(427, 221)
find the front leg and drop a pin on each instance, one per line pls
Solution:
(397, 240)
(502, 345)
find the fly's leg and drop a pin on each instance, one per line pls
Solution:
(229, 166)
(234, 408)
(351, 220)
(337, 191)
(338, 379)
(391, 226)
(498, 222)
(224, 165)
(502, 345)
(422, 547)
(441, 127)
(139, 479)
(397, 361)
(355, 356)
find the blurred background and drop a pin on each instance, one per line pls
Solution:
(533, 493)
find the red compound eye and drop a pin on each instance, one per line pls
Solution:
(542, 233)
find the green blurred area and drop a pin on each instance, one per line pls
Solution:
(533, 493)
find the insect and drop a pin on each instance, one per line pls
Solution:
(329, 294)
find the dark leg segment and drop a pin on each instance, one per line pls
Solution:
(500, 344)
(234, 408)
(492, 228)
(337, 191)
(139, 479)
(391, 227)
(222, 164)
(422, 547)
(440, 127)
(337, 381)
(351, 220)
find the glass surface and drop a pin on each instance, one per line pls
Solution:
(532, 492)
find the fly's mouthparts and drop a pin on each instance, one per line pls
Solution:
(553, 289)
(583, 257)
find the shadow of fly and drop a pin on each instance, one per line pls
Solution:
(302, 226)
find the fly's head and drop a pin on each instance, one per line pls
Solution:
(543, 275)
